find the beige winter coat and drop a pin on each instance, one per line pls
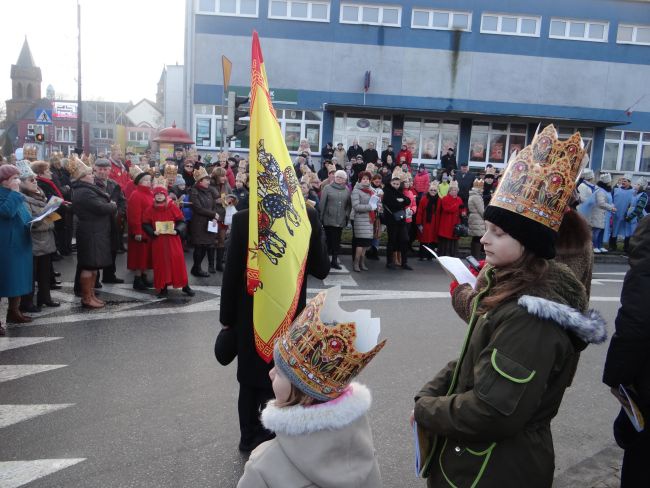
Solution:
(600, 208)
(363, 227)
(322, 446)
(476, 207)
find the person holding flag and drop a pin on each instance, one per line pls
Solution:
(272, 245)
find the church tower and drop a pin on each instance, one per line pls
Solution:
(25, 84)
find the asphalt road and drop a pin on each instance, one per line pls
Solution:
(131, 396)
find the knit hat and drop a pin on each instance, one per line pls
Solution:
(326, 347)
(341, 174)
(139, 176)
(536, 186)
(7, 171)
(160, 189)
(102, 163)
(179, 180)
(24, 169)
(606, 178)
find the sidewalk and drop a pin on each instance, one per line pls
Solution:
(602, 470)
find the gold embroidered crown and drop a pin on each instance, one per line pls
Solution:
(134, 171)
(171, 170)
(30, 152)
(160, 181)
(326, 347)
(540, 179)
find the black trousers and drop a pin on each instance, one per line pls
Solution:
(398, 240)
(42, 276)
(199, 255)
(636, 452)
(250, 404)
(63, 229)
(333, 238)
(109, 271)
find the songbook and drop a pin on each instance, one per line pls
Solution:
(165, 227)
(455, 268)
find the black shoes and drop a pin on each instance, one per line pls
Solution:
(30, 309)
(335, 265)
(391, 266)
(188, 291)
(49, 304)
(407, 267)
(199, 273)
(162, 293)
(138, 284)
(112, 279)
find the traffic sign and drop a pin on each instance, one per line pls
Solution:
(43, 116)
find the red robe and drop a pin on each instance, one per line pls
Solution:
(167, 250)
(429, 232)
(448, 215)
(119, 173)
(139, 255)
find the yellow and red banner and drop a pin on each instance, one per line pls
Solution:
(278, 226)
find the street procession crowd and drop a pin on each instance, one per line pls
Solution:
(484, 420)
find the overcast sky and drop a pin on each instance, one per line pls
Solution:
(125, 44)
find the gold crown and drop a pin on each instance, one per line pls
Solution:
(326, 347)
(160, 181)
(171, 170)
(200, 173)
(77, 168)
(134, 171)
(29, 152)
(540, 179)
(116, 148)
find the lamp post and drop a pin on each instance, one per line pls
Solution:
(80, 136)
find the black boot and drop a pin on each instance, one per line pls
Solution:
(188, 291)
(220, 253)
(199, 254)
(626, 245)
(97, 282)
(138, 284)
(162, 293)
(372, 253)
(335, 263)
(612, 243)
(211, 254)
(146, 282)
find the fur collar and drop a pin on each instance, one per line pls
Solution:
(332, 415)
(589, 327)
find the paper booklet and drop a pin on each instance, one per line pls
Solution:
(424, 450)
(455, 268)
(166, 227)
(632, 408)
(213, 227)
(52, 206)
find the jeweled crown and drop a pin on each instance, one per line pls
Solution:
(540, 179)
(170, 171)
(326, 347)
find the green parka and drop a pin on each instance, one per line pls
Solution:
(488, 414)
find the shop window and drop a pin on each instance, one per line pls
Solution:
(428, 139)
(626, 151)
(494, 142)
(362, 128)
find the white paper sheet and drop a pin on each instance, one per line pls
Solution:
(213, 227)
(455, 268)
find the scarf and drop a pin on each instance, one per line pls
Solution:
(372, 214)
(432, 202)
(51, 184)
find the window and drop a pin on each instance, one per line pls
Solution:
(138, 136)
(102, 133)
(510, 25)
(299, 10)
(371, 14)
(241, 8)
(441, 19)
(365, 128)
(295, 125)
(494, 142)
(65, 134)
(578, 30)
(627, 151)
(429, 139)
(633, 34)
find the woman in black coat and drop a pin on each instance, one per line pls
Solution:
(203, 198)
(95, 212)
(394, 202)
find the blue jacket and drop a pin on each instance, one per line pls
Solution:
(15, 245)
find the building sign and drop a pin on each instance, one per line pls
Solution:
(43, 116)
(65, 110)
(278, 95)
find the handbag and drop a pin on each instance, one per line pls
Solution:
(398, 216)
(225, 347)
(461, 229)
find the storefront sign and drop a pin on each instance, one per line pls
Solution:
(65, 110)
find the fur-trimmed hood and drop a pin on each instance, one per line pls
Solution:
(332, 415)
(327, 445)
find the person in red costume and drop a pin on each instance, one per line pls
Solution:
(406, 154)
(448, 216)
(119, 172)
(139, 255)
(166, 248)
(427, 222)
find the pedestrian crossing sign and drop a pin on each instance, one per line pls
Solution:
(43, 116)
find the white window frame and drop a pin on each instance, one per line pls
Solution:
(635, 28)
(489, 131)
(587, 23)
(622, 142)
(61, 131)
(361, 6)
(450, 24)
(309, 3)
(140, 136)
(237, 13)
(440, 131)
(103, 133)
(519, 17)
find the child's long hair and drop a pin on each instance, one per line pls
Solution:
(297, 397)
(512, 280)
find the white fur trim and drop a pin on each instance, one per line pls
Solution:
(332, 415)
(589, 327)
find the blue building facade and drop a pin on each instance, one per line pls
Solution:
(476, 75)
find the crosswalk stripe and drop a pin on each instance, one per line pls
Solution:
(12, 414)
(18, 473)
(14, 371)
(341, 280)
(343, 269)
(15, 342)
